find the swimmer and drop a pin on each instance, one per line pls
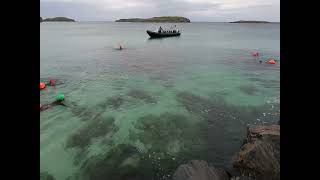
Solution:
(260, 61)
(58, 101)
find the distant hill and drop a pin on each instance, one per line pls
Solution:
(64, 19)
(241, 21)
(173, 19)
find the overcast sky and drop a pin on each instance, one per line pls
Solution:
(195, 10)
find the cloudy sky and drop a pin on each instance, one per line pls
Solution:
(195, 10)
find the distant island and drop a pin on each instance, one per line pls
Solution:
(241, 21)
(163, 19)
(57, 19)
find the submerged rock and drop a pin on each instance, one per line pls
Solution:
(199, 170)
(260, 155)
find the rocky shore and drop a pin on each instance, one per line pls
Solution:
(258, 159)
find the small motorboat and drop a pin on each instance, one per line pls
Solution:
(163, 33)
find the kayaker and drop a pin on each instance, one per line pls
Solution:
(58, 101)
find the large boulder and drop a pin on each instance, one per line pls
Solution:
(259, 157)
(199, 170)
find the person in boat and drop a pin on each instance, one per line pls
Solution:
(160, 29)
(58, 101)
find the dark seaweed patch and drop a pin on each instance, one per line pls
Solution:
(165, 130)
(249, 89)
(115, 101)
(96, 128)
(46, 176)
(225, 123)
(125, 162)
(111, 165)
(142, 95)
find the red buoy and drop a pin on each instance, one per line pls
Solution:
(271, 61)
(42, 85)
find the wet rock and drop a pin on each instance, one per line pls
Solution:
(95, 128)
(259, 157)
(46, 176)
(242, 178)
(199, 170)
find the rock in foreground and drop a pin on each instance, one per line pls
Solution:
(199, 170)
(259, 157)
(59, 19)
(163, 19)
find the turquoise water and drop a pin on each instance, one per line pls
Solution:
(140, 112)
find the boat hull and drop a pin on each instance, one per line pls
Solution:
(161, 35)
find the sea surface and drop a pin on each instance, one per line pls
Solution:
(140, 112)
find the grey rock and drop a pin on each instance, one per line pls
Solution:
(199, 170)
(259, 157)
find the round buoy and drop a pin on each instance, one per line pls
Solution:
(255, 54)
(42, 85)
(60, 97)
(271, 61)
(52, 82)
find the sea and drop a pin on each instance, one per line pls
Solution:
(140, 112)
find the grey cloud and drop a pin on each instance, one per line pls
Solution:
(194, 11)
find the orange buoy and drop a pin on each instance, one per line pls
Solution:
(271, 61)
(42, 85)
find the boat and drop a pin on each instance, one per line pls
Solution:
(163, 33)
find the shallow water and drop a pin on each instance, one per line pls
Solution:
(157, 103)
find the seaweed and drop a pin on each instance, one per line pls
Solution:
(96, 128)
(249, 89)
(46, 176)
(111, 165)
(142, 95)
(115, 101)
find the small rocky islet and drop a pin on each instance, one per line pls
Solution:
(242, 21)
(161, 19)
(57, 19)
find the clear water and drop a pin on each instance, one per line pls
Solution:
(140, 112)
